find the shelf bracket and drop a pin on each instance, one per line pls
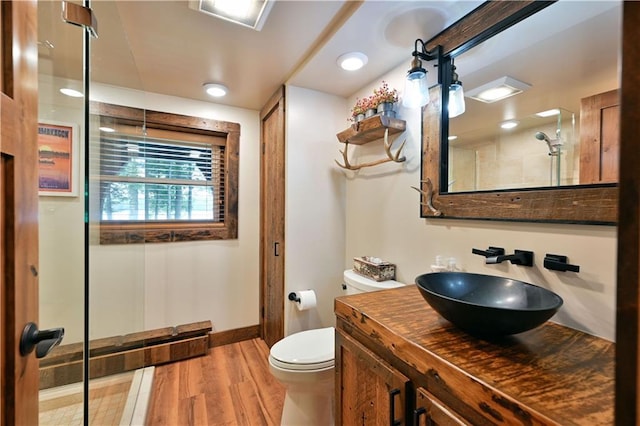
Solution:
(396, 158)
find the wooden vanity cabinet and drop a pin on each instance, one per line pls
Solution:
(429, 411)
(371, 392)
(399, 362)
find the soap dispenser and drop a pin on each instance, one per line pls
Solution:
(439, 265)
(452, 264)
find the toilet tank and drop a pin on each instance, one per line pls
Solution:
(355, 283)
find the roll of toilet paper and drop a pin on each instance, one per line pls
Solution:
(305, 299)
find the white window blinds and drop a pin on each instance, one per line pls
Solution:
(150, 178)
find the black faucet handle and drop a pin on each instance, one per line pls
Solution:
(522, 257)
(557, 262)
(489, 252)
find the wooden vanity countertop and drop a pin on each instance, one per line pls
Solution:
(554, 374)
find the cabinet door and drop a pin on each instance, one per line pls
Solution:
(368, 390)
(431, 412)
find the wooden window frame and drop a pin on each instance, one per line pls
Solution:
(155, 232)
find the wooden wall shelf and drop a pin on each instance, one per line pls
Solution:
(371, 129)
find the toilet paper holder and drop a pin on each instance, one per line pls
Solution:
(304, 299)
(294, 297)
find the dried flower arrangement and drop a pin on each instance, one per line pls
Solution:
(383, 94)
(360, 107)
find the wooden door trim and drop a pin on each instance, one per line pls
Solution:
(19, 193)
(592, 137)
(627, 400)
(271, 309)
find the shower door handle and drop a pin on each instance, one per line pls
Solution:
(42, 340)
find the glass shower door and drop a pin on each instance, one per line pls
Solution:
(61, 129)
(92, 290)
(116, 271)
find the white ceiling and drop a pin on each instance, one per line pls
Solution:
(166, 47)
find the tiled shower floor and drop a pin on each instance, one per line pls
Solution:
(62, 406)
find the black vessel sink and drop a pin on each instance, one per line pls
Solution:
(485, 305)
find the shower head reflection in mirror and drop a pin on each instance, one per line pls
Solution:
(491, 158)
(553, 144)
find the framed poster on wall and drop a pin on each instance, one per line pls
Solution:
(58, 159)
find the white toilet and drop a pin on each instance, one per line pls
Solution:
(304, 361)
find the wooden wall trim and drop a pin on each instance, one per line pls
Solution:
(272, 103)
(118, 362)
(219, 338)
(115, 354)
(628, 294)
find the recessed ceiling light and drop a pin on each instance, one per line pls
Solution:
(452, 137)
(214, 89)
(107, 129)
(509, 124)
(71, 92)
(352, 61)
(248, 13)
(548, 113)
(497, 90)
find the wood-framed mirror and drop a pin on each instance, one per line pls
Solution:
(591, 203)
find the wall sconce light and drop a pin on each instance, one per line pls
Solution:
(456, 94)
(416, 91)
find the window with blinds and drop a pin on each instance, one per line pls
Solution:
(166, 182)
(149, 179)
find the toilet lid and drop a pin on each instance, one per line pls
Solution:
(306, 350)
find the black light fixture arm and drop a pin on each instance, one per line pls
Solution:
(424, 54)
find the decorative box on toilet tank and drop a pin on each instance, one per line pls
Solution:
(374, 268)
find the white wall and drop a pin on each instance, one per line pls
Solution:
(315, 208)
(136, 287)
(190, 281)
(331, 216)
(382, 219)
(61, 258)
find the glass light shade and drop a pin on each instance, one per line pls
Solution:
(456, 100)
(416, 92)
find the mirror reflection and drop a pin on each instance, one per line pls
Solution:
(561, 126)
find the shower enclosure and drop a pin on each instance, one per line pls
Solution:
(542, 150)
(95, 292)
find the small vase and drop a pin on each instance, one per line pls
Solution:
(370, 112)
(386, 109)
(358, 117)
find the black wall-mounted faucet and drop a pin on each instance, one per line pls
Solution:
(557, 262)
(519, 257)
(490, 252)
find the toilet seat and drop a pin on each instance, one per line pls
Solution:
(305, 351)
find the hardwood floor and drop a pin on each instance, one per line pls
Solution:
(231, 385)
